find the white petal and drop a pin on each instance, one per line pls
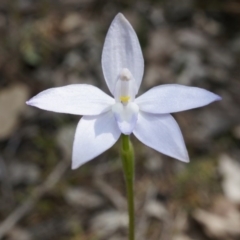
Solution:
(121, 50)
(80, 99)
(162, 133)
(94, 135)
(126, 116)
(171, 98)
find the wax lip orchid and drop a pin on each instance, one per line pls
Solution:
(105, 118)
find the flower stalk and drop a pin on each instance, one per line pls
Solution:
(127, 156)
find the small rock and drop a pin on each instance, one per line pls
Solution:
(181, 223)
(230, 170)
(107, 223)
(12, 104)
(82, 198)
(224, 207)
(181, 237)
(220, 227)
(19, 234)
(156, 209)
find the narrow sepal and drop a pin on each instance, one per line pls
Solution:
(162, 133)
(172, 98)
(94, 135)
(79, 99)
(121, 50)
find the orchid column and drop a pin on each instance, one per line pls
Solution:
(105, 118)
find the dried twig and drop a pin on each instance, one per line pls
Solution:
(166, 232)
(114, 196)
(6, 183)
(143, 222)
(29, 204)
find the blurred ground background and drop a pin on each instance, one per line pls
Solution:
(46, 44)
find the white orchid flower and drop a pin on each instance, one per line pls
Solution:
(105, 118)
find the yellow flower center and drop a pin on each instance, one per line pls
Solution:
(125, 99)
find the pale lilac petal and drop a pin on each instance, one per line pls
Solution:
(79, 99)
(94, 135)
(121, 50)
(171, 98)
(162, 133)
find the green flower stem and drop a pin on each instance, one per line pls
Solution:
(127, 155)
